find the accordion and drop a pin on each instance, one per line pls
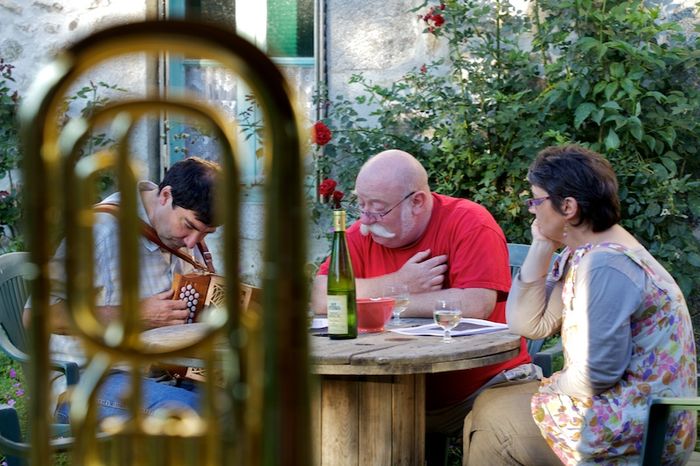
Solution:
(204, 292)
(201, 291)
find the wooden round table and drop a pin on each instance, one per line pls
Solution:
(370, 406)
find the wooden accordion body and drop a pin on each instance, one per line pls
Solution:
(200, 291)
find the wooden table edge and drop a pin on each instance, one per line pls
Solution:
(402, 369)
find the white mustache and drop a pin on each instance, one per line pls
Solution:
(377, 230)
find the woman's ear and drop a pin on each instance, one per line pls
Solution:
(570, 208)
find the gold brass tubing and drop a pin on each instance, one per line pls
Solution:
(138, 109)
(286, 414)
(81, 201)
(77, 205)
(85, 413)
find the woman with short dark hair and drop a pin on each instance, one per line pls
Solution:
(573, 171)
(625, 329)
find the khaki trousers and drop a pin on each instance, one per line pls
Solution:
(500, 430)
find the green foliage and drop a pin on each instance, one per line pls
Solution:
(10, 207)
(13, 388)
(12, 385)
(609, 75)
(85, 102)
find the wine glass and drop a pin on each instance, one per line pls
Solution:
(400, 294)
(447, 315)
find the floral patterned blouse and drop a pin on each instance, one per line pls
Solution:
(585, 417)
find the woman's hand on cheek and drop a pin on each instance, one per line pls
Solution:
(538, 236)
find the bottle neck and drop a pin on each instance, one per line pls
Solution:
(339, 220)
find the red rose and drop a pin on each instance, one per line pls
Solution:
(327, 187)
(337, 197)
(423, 69)
(442, 6)
(439, 20)
(320, 134)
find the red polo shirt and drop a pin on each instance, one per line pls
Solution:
(477, 257)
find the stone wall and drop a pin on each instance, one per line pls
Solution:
(33, 31)
(382, 40)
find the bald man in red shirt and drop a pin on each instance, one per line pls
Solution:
(442, 248)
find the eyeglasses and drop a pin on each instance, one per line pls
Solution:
(377, 216)
(534, 202)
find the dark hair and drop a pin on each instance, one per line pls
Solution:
(574, 171)
(192, 183)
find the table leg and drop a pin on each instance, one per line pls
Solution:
(369, 420)
(408, 419)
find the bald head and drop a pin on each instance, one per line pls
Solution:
(394, 184)
(394, 170)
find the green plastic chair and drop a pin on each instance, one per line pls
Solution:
(14, 290)
(15, 271)
(542, 358)
(657, 423)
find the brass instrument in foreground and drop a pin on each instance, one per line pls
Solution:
(265, 420)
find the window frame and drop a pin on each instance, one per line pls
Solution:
(251, 24)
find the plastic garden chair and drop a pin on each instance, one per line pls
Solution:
(659, 411)
(542, 358)
(14, 291)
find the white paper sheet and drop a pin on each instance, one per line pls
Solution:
(319, 322)
(466, 326)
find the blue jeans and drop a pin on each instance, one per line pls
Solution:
(111, 397)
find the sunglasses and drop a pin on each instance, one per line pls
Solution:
(534, 202)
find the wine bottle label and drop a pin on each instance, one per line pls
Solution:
(337, 314)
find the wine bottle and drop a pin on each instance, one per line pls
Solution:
(342, 308)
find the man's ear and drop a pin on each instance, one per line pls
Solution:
(419, 199)
(165, 195)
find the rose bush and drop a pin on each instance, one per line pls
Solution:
(612, 76)
(10, 199)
